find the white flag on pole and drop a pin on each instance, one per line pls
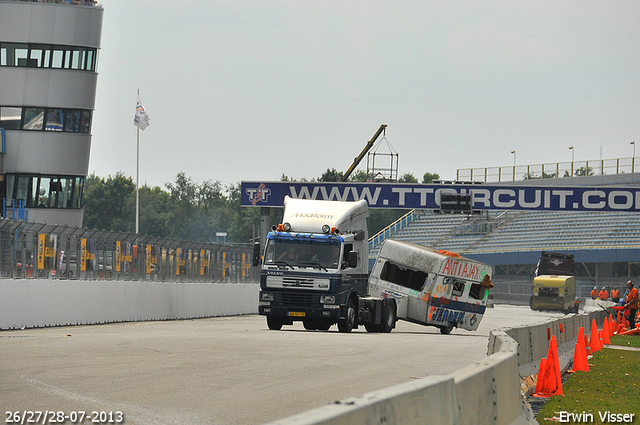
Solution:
(141, 118)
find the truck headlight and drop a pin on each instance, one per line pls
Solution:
(266, 296)
(327, 299)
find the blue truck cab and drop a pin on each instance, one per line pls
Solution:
(315, 265)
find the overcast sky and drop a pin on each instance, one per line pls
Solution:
(250, 90)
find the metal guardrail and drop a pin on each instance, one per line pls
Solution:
(549, 170)
(392, 228)
(36, 250)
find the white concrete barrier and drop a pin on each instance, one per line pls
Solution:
(39, 302)
(487, 392)
(533, 340)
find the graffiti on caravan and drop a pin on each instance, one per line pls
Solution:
(427, 196)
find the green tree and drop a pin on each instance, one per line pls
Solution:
(408, 178)
(243, 222)
(154, 214)
(430, 177)
(105, 203)
(331, 175)
(359, 176)
(582, 171)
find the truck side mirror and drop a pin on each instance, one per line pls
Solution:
(256, 254)
(353, 259)
(359, 235)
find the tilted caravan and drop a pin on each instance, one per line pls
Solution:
(436, 288)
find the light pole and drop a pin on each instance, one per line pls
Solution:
(514, 164)
(633, 158)
(572, 152)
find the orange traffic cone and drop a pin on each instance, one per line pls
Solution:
(595, 339)
(611, 326)
(543, 365)
(549, 379)
(587, 346)
(605, 332)
(580, 360)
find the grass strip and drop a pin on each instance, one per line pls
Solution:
(612, 386)
(626, 341)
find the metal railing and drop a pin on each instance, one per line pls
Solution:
(481, 225)
(392, 228)
(36, 250)
(550, 170)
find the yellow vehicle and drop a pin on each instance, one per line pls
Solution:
(554, 287)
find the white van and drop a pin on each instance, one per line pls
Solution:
(437, 288)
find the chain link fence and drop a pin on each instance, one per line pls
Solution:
(45, 251)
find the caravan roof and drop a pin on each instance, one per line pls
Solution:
(424, 258)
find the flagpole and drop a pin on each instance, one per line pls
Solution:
(137, 172)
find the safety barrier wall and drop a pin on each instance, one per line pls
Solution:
(40, 302)
(533, 340)
(487, 392)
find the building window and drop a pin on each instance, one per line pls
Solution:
(48, 56)
(33, 119)
(48, 119)
(55, 117)
(10, 117)
(45, 191)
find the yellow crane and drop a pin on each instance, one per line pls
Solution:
(366, 149)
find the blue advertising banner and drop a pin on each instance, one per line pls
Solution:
(427, 196)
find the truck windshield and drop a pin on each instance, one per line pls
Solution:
(296, 253)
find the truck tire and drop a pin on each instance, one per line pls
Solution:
(446, 330)
(389, 318)
(310, 325)
(372, 328)
(347, 324)
(274, 323)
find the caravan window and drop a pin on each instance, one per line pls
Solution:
(477, 291)
(548, 292)
(458, 288)
(403, 276)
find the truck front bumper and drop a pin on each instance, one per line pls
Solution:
(294, 313)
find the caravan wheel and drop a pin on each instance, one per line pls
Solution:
(446, 330)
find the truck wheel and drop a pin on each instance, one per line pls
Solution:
(389, 318)
(310, 325)
(372, 328)
(274, 323)
(446, 330)
(348, 323)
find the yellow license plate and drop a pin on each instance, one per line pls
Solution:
(296, 313)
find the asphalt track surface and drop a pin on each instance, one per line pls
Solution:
(225, 370)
